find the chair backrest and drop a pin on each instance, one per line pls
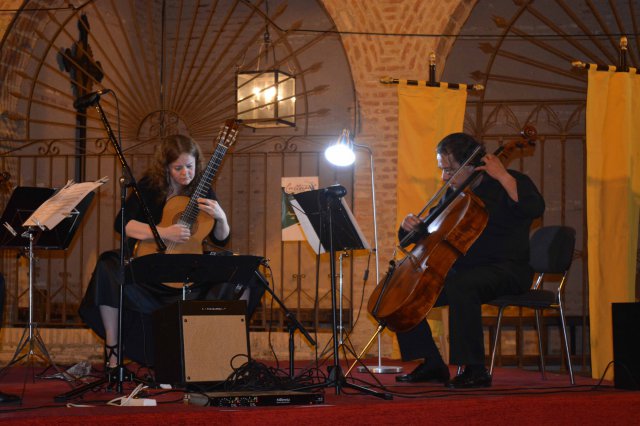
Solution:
(551, 249)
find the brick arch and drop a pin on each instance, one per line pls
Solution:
(377, 55)
(374, 56)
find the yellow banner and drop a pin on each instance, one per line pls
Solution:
(425, 116)
(613, 200)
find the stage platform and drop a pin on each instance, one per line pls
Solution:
(516, 397)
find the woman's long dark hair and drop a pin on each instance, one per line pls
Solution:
(167, 152)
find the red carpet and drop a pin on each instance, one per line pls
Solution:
(516, 397)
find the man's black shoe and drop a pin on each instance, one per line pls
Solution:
(422, 373)
(471, 379)
(6, 398)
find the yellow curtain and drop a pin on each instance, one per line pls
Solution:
(613, 200)
(425, 116)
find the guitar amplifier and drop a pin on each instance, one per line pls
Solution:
(195, 341)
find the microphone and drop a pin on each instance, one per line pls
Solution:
(336, 191)
(89, 99)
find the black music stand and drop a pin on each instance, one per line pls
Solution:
(190, 268)
(24, 201)
(327, 222)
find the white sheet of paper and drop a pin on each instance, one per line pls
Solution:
(61, 204)
(307, 228)
(310, 233)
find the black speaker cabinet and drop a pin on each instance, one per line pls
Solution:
(194, 341)
(626, 345)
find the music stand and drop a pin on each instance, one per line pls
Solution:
(190, 268)
(24, 201)
(327, 222)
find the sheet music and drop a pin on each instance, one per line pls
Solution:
(312, 236)
(365, 243)
(61, 204)
(307, 228)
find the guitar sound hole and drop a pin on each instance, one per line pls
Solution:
(194, 226)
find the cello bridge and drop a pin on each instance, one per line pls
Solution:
(414, 260)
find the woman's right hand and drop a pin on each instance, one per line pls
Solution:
(175, 233)
(411, 223)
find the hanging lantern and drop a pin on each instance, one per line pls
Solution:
(266, 98)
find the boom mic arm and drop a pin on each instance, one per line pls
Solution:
(336, 191)
(89, 99)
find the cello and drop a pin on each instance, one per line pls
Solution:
(411, 286)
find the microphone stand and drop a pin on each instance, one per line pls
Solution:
(116, 376)
(293, 324)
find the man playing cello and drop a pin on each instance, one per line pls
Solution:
(496, 264)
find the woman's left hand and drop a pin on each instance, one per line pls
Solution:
(212, 208)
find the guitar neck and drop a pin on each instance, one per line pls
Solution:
(226, 138)
(191, 212)
(210, 172)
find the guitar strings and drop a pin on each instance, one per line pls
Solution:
(192, 210)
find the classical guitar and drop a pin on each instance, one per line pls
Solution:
(184, 210)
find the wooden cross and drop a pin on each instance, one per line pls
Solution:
(79, 63)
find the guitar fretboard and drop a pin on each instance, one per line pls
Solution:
(226, 138)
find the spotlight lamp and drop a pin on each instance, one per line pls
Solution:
(341, 152)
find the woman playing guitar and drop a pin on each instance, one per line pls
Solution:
(176, 171)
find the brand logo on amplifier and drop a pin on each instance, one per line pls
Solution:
(281, 400)
(211, 308)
